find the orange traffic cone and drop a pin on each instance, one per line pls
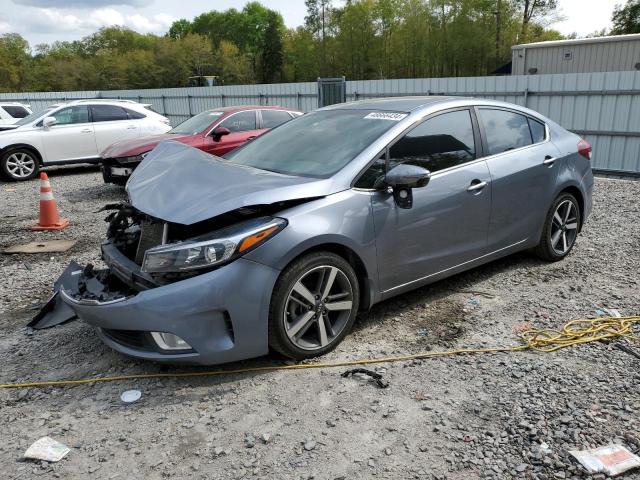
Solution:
(49, 218)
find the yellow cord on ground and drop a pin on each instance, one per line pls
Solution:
(572, 333)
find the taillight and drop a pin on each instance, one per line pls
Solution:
(584, 149)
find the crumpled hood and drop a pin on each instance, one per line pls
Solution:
(181, 184)
(137, 146)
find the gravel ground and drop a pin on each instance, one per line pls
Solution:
(484, 416)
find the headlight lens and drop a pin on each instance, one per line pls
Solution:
(214, 249)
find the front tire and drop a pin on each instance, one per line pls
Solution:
(314, 304)
(19, 164)
(560, 229)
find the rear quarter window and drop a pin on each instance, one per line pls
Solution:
(133, 115)
(538, 132)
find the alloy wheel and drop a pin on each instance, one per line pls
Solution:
(20, 165)
(564, 227)
(318, 307)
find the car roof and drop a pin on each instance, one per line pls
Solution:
(431, 104)
(242, 108)
(392, 104)
(97, 101)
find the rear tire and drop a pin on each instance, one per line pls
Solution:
(19, 164)
(560, 229)
(313, 306)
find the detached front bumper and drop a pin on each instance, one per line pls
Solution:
(222, 315)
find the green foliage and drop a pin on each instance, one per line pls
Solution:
(180, 28)
(626, 19)
(360, 39)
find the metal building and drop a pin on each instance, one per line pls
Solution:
(600, 54)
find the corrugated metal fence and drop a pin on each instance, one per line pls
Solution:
(603, 107)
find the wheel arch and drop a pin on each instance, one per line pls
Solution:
(366, 283)
(25, 146)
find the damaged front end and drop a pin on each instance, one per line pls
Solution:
(176, 285)
(142, 252)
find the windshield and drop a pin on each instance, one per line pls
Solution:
(34, 116)
(196, 124)
(317, 144)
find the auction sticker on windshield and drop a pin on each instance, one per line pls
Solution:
(394, 117)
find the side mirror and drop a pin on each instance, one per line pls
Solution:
(219, 132)
(403, 178)
(49, 122)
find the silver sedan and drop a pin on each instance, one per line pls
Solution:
(280, 244)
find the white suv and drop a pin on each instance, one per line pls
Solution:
(11, 112)
(73, 132)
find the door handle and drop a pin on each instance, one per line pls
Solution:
(476, 185)
(549, 160)
(86, 130)
(131, 127)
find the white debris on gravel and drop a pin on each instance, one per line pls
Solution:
(494, 416)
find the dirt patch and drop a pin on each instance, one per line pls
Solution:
(441, 322)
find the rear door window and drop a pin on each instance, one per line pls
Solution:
(273, 118)
(16, 111)
(240, 122)
(108, 113)
(504, 130)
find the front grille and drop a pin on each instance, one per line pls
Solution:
(130, 338)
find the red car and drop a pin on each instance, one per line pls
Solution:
(216, 131)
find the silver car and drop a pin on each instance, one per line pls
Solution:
(280, 244)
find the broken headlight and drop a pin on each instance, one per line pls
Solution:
(214, 249)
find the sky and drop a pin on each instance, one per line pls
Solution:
(45, 21)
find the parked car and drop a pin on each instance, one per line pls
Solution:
(280, 244)
(215, 131)
(73, 132)
(11, 112)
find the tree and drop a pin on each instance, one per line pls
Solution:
(317, 21)
(361, 39)
(299, 56)
(231, 64)
(14, 61)
(626, 19)
(532, 9)
(272, 50)
(180, 28)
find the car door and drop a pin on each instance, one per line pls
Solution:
(243, 127)
(448, 222)
(112, 124)
(71, 138)
(521, 160)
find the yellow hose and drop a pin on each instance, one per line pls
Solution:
(572, 333)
